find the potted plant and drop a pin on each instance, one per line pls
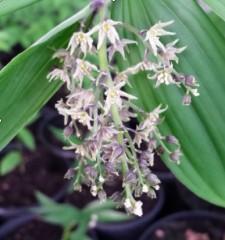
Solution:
(108, 86)
(201, 225)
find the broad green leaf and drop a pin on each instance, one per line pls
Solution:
(8, 6)
(56, 213)
(9, 162)
(199, 127)
(112, 216)
(27, 138)
(24, 88)
(218, 7)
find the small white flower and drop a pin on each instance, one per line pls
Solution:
(137, 209)
(145, 188)
(80, 39)
(153, 34)
(163, 76)
(101, 179)
(170, 53)
(83, 118)
(195, 92)
(84, 68)
(113, 96)
(127, 203)
(157, 187)
(59, 74)
(106, 29)
(94, 190)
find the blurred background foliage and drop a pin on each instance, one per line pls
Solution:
(25, 26)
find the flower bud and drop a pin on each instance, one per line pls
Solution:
(102, 196)
(68, 130)
(70, 173)
(190, 81)
(130, 177)
(116, 197)
(151, 193)
(175, 156)
(172, 140)
(152, 179)
(186, 100)
(90, 172)
(179, 77)
(77, 187)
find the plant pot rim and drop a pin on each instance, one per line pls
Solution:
(137, 221)
(183, 215)
(52, 148)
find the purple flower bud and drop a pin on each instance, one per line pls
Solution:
(70, 173)
(152, 144)
(175, 156)
(102, 196)
(110, 168)
(96, 4)
(186, 100)
(117, 152)
(151, 193)
(190, 81)
(180, 77)
(68, 131)
(152, 179)
(130, 177)
(90, 172)
(172, 140)
(116, 197)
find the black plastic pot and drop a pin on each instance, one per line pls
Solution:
(191, 222)
(13, 226)
(194, 202)
(45, 136)
(7, 212)
(133, 228)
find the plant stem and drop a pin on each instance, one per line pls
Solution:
(103, 63)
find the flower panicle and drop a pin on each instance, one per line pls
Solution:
(105, 148)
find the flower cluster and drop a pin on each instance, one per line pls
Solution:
(98, 110)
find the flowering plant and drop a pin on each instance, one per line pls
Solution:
(117, 92)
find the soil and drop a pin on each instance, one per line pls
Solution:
(36, 230)
(40, 172)
(193, 229)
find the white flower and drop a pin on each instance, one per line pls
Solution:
(119, 46)
(152, 120)
(137, 209)
(94, 190)
(101, 179)
(145, 188)
(84, 68)
(195, 92)
(113, 96)
(106, 30)
(61, 74)
(163, 76)
(80, 39)
(127, 203)
(83, 118)
(153, 34)
(170, 53)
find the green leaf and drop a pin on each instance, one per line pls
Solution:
(199, 127)
(8, 6)
(218, 7)
(9, 162)
(56, 213)
(112, 216)
(27, 138)
(24, 88)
